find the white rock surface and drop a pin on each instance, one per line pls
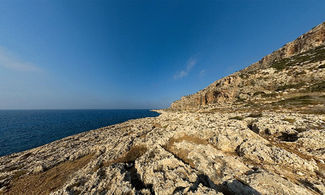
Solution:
(183, 153)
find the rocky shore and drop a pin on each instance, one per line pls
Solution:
(179, 153)
(260, 130)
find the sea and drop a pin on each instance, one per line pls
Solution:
(25, 129)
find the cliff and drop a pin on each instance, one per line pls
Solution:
(293, 65)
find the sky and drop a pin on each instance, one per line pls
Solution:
(134, 54)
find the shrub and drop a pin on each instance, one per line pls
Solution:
(269, 95)
(281, 64)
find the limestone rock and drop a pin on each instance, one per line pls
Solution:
(187, 153)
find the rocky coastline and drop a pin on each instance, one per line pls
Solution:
(179, 153)
(258, 131)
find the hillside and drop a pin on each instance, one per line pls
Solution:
(292, 76)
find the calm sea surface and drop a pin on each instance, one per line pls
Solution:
(25, 129)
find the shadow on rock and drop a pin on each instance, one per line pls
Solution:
(227, 188)
(134, 178)
(238, 187)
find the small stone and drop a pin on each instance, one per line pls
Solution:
(300, 173)
(39, 169)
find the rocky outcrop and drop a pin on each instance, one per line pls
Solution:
(297, 64)
(178, 153)
(312, 39)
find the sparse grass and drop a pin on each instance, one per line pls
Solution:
(290, 120)
(48, 181)
(255, 115)
(300, 100)
(313, 55)
(303, 101)
(236, 118)
(130, 156)
(281, 64)
(318, 54)
(290, 86)
(251, 104)
(19, 174)
(318, 87)
(188, 138)
(269, 95)
(288, 147)
(317, 110)
(182, 154)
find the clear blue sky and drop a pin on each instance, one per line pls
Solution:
(70, 54)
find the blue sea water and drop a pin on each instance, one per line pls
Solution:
(25, 129)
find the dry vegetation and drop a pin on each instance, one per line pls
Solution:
(128, 157)
(289, 120)
(48, 181)
(182, 154)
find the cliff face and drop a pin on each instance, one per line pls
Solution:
(305, 42)
(299, 57)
